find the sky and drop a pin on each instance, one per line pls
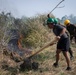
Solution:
(29, 8)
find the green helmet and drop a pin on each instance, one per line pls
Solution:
(50, 20)
(55, 20)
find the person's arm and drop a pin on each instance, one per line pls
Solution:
(75, 26)
(62, 32)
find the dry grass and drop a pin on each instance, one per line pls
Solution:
(46, 60)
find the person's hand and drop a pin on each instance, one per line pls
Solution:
(58, 37)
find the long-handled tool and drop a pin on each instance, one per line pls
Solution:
(54, 8)
(49, 44)
(28, 63)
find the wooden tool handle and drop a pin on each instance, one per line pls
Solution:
(49, 44)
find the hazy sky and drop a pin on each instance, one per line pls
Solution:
(32, 7)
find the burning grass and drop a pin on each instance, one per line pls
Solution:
(45, 59)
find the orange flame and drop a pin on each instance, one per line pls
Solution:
(19, 42)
